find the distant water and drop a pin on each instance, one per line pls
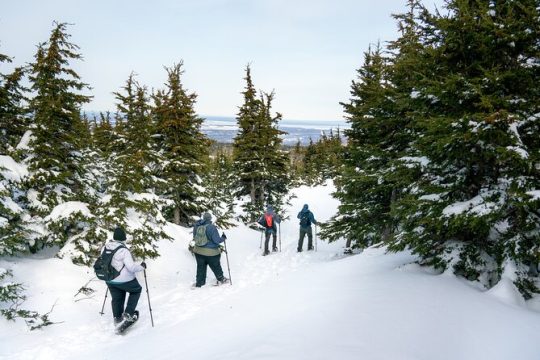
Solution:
(224, 129)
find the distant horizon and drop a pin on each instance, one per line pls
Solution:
(233, 117)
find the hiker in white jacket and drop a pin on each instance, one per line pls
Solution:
(125, 282)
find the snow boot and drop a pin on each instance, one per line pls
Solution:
(274, 249)
(117, 320)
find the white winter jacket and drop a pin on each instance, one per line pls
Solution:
(122, 259)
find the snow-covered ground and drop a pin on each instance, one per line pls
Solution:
(312, 305)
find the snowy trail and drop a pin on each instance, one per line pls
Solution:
(288, 305)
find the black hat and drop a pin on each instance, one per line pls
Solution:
(119, 234)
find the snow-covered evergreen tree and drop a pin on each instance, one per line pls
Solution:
(219, 184)
(54, 155)
(131, 200)
(13, 121)
(365, 186)
(183, 148)
(474, 206)
(261, 166)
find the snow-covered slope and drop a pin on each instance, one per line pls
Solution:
(312, 305)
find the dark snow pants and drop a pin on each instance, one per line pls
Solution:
(118, 295)
(303, 232)
(215, 265)
(267, 240)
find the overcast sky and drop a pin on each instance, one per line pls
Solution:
(307, 51)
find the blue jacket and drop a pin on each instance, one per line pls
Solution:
(211, 233)
(309, 214)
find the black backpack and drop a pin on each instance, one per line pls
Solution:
(103, 267)
(304, 219)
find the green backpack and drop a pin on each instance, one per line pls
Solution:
(200, 236)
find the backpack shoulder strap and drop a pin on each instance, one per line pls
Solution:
(114, 252)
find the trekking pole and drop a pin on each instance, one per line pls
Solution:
(279, 227)
(260, 245)
(227, 257)
(315, 238)
(148, 295)
(104, 300)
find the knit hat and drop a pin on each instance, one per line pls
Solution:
(269, 209)
(119, 234)
(207, 216)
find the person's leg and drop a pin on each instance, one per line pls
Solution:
(301, 239)
(134, 289)
(266, 241)
(201, 270)
(215, 265)
(118, 298)
(310, 238)
(274, 242)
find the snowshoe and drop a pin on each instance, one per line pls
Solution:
(347, 251)
(127, 322)
(222, 281)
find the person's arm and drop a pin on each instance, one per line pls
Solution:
(129, 263)
(312, 218)
(214, 235)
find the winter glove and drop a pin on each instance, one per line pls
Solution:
(223, 236)
(222, 248)
(191, 246)
(143, 264)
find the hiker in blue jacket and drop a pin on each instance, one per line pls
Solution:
(306, 219)
(207, 250)
(269, 221)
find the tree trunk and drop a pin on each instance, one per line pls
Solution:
(177, 215)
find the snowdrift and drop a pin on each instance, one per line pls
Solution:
(289, 305)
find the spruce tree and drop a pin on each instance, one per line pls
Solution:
(54, 157)
(131, 200)
(219, 188)
(13, 121)
(364, 187)
(183, 148)
(259, 162)
(473, 207)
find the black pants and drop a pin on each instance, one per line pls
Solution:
(118, 295)
(267, 240)
(303, 232)
(215, 265)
